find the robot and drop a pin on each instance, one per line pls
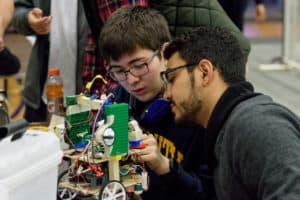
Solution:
(105, 168)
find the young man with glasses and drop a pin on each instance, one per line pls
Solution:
(253, 143)
(131, 42)
(96, 12)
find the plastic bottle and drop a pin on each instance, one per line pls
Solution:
(4, 118)
(54, 93)
(3, 101)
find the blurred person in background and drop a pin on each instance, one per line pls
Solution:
(64, 49)
(9, 63)
(183, 16)
(236, 9)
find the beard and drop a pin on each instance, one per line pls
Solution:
(187, 110)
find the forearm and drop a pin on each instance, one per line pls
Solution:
(20, 20)
(6, 14)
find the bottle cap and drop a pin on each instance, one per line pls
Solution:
(53, 71)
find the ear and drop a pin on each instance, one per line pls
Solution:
(163, 47)
(207, 71)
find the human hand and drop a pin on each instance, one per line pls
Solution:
(260, 13)
(152, 156)
(38, 23)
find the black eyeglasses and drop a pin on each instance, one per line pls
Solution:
(164, 74)
(135, 70)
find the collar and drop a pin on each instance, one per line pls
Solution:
(235, 94)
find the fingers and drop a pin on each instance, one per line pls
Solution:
(37, 12)
(38, 23)
(149, 153)
(149, 139)
(143, 152)
(152, 156)
(42, 26)
(155, 160)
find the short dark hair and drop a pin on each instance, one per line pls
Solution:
(131, 27)
(215, 44)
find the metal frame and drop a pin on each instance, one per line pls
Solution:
(290, 25)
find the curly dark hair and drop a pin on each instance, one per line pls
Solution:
(215, 44)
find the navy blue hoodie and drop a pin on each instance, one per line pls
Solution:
(183, 144)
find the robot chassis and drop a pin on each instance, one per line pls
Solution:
(106, 165)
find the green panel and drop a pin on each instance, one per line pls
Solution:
(78, 117)
(78, 132)
(120, 127)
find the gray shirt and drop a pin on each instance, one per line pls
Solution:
(258, 152)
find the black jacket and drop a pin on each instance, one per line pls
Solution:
(184, 15)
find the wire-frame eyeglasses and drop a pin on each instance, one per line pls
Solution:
(135, 70)
(164, 74)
